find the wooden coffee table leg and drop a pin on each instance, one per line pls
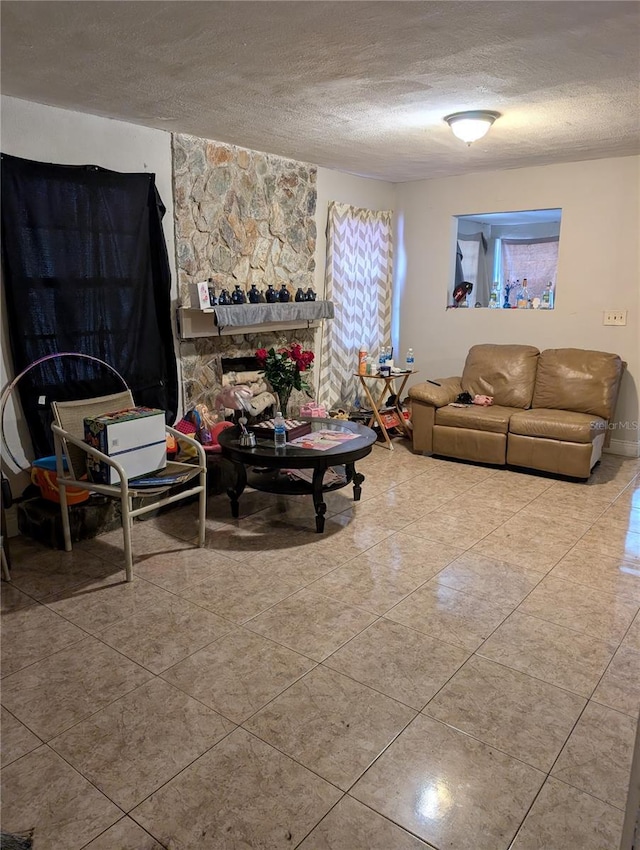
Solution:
(319, 505)
(235, 492)
(357, 479)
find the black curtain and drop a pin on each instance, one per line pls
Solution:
(85, 270)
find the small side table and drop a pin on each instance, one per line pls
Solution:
(387, 388)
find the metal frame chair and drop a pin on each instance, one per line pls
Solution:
(68, 432)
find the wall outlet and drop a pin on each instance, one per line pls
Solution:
(615, 317)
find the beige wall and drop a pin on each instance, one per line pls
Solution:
(48, 134)
(599, 267)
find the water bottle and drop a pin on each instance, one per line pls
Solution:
(279, 431)
(410, 360)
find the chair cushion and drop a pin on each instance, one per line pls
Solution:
(577, 379)
(495, 418)
(506, 372)
(557, 425)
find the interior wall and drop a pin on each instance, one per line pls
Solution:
(598, 269)
(44, 133)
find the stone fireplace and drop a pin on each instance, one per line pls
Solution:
(241, 218)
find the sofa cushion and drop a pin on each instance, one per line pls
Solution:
(494, 418)
(578, 379)
(557, 425)
(506, 372)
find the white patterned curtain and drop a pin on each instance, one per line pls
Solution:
(358, 280)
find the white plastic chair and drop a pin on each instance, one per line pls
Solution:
(68, 432)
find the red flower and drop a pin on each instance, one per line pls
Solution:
(261, 355)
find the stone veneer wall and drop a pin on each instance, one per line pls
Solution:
(241, 217)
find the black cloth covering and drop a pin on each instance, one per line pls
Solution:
(85, 269)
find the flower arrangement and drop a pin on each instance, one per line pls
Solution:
(283, 368)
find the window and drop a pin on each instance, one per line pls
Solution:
(496, 251)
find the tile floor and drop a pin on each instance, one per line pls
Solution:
(453, 664)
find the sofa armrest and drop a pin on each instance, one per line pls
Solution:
(427, 393)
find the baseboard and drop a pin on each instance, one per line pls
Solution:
(624, 448)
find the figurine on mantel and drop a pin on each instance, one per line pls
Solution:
(271, 295)
(310, 295)
(254, 295)
(238, 296)
(300, 296)
(224, 299)
(284, 295)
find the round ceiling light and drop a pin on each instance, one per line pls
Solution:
(471, 126)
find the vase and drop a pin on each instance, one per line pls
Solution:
(283, 395)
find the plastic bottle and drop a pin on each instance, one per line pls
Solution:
(279, 431)
(362, 360)
(522, 295)
(494, 298)
(410, 360)
(547, 297)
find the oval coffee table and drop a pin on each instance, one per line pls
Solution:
(261, 466)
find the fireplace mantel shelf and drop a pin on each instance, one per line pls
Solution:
(252, 318)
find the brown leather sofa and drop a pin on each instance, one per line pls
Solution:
(550, 412)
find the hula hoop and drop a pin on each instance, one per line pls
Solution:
(8, 389)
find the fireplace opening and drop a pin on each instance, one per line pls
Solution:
(246, 370)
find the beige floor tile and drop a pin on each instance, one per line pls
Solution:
(242, 539)
(124, 835)
(343, 532)
(300, 566)
(33, 633)
(620, 686)
(57, 692)
(400, 662)
(239, 673)
(521, 716)
(242, 793)
(39, 572)
(563, 817)
(560, 656)
(11, 599)
(174, 571)
(530, 541)
(409, 554)
(624, 516)
(632, 637)
(331, 724)
(147, 540)
(497, 581)
(352, 826)
(164, 634)
(581, 608)
(99, 604)
(17, 740)
(395, 510)
(43, 792)
(238, 591)
(449, 615)
(139, 742)
(311, 624)
(581, 504)
(630, 496)
(375, 587)
(603, 573)
(504, 496)
(449, 789)
(612, 540)
(597, 757)
(445, 525)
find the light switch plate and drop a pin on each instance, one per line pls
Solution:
(615, 317)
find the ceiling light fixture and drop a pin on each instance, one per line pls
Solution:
(471, 126)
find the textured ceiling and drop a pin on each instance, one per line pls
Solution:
(356, 86)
